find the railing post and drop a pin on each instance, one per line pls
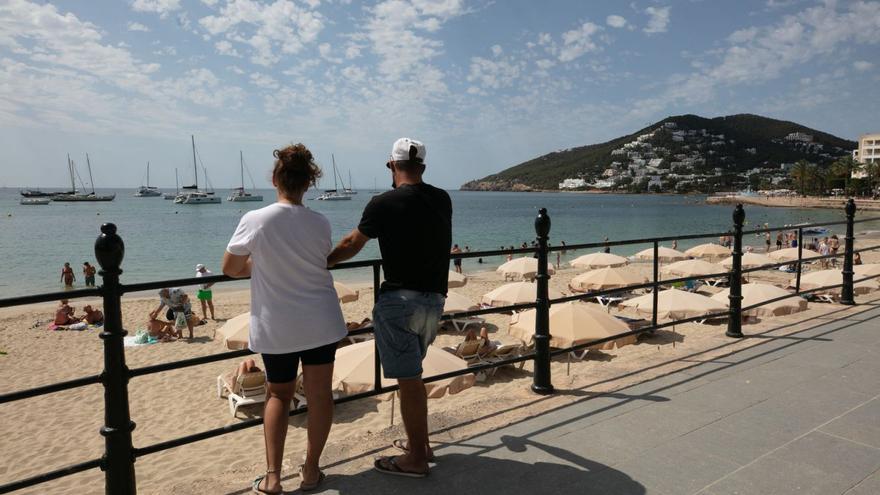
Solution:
(734, 321)
(377, 364)
(846, 292)
(118, 459)
(800, 260)
(542, 383)
(656, 287)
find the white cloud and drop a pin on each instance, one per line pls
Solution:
(353, 51)
(494, 74)
(166, 51)
(235, 69)
(161, 7)
(354, 74)
(862, 65)
(271, 30)
(264, 81)
(326, 52)
(615, 21)
(577, 42)
(658, 19)
(136, 26)
(497, 50)
(225, 48)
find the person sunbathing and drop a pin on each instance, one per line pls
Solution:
(163, 331)
(93, 316)
(486, 346)
(246, 366)
(64, 314)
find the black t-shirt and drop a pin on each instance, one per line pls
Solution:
(414, 226)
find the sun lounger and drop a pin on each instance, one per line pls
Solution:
(247, 389)
(504, 352)
(608, 301)
(299, 394)
(461, 324)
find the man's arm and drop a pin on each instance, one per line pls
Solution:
(236, 265)
(347, 248)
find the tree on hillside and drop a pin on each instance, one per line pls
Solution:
(801, 173)
(844, 167)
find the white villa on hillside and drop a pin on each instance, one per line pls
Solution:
(572, 184)
(867, 152)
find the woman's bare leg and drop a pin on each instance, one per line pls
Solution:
(317, 381)
(275, 418)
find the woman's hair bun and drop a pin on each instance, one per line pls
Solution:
(295, 169)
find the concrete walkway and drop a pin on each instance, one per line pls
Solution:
(796, 414)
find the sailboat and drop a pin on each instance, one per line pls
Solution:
(350, 189)
(240, 194)
(176, 187)
(334, 194)
(374, 191)
(196, 196)
(148, 191)
(92, 196)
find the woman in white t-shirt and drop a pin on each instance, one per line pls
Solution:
(295, 314)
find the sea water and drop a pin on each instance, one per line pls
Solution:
(166, 240)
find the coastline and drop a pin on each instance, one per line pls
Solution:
(794, 202)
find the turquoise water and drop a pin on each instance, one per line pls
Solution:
(164, 240)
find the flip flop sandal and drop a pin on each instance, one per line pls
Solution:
(400, 444)
(310, 487)
(255, 487)
(388, 465)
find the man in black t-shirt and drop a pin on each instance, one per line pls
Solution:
(413, 223)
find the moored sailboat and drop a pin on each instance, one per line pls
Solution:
(148, 191)
(75, 196)
(240, 194)
(195, 196)
(334, 194)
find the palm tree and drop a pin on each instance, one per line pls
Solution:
(844, 167)
(801, 173)
(872, 170)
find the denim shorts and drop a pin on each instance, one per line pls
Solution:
(406, 323)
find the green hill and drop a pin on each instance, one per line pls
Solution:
(748, 142)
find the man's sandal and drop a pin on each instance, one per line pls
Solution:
(388, 465)
(401, 445)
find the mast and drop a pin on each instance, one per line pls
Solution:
(335, 186)
(195, 168)
(241, 165)
(91, 180)
(176, 182)
(70, 171)
(148, 175)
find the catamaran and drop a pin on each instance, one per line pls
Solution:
(73, 197)
(176, 187)
(195, 196)
(240, 194)
(148, 191)
(334, 194)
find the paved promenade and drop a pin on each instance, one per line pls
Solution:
(796, 414)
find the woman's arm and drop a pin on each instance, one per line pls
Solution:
(237, 266)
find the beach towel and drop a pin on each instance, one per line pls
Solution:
(138, 339)
(76, 326)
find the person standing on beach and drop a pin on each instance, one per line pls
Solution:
(779, 241)
(295, 315)
(457, 261)
(67, 276)
(767, 237)
(89, 274)
(205, 295)
(413, 223)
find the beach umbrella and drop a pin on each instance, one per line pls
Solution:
(691, 268)
(664, 253)
(675, 304)
(515, 293)
(708, 250)
(522, 268)
(354, 368)
(869, 270)
(598, 260)
(457, 303)
(791, 254)
(755, 293)
(456, 280)
(235, 331)
(344, 293)
(821, 278)
(749, 260)
(607, 278)
(573, 323)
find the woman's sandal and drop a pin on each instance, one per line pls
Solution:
(255, 487)
(388, 465)
(310, 487)
(401, 445)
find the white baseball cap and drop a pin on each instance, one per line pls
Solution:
(199, 266)
(400, 150)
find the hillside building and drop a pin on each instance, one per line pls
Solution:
(572, 184)
(867, 152)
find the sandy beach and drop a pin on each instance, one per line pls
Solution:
(56, 430)
(795, 201)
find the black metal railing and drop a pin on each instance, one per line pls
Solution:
(120, 453)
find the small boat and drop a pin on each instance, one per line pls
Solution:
(79, 197)
(239, 194)
(193, 196)
(334, 194)
(34, 201)
(148, 191)
(36, 193)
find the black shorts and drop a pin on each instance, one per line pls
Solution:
(457, 261)
(282, 368)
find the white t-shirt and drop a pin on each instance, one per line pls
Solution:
(206, 273)
(294, 306)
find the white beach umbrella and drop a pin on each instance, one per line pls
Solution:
(457, 303)
(353, 370)
(607, 278)
(344, 293)
(791, 254)
(675, 304)
(708, 250)
(821, 278)
(515, 293)
(573, 323)
(754, 293)
(456, 280)
(749, 260)
(691, 268)
(665, 254)
(867, 270)
(235, 331)
(598, 260)
(525, 268)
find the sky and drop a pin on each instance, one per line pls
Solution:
(484, 84)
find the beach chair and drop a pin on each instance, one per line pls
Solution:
(299, 394)
(247, 389)
(504, 352)
(461, 324)
(467, 350)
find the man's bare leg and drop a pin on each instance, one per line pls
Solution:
(414, 410)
